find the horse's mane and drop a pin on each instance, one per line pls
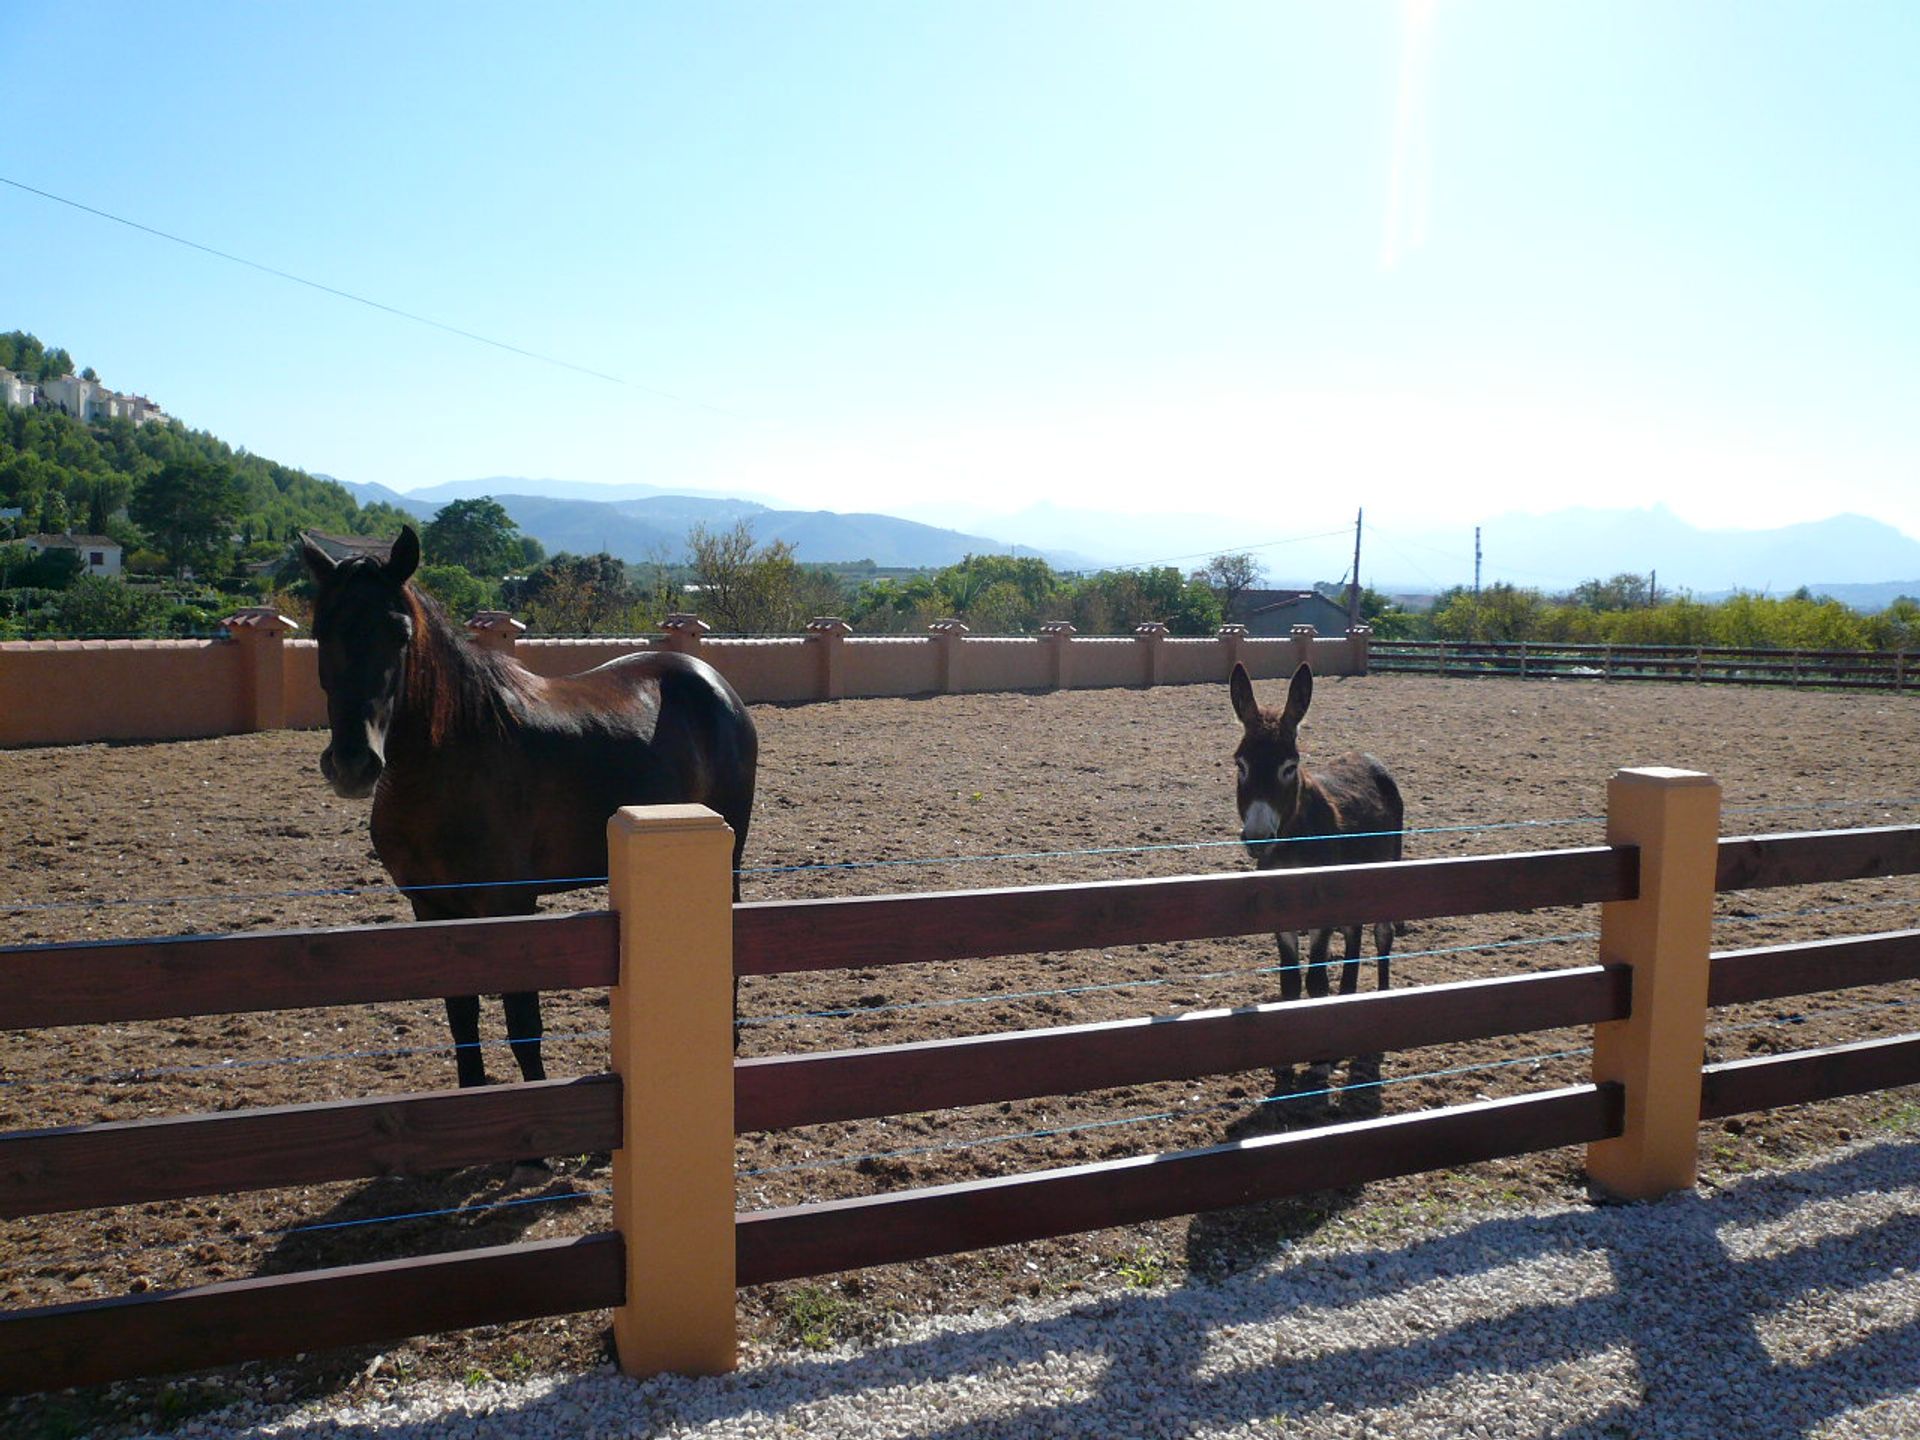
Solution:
(460, 687)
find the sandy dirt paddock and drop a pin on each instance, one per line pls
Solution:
(873, 796)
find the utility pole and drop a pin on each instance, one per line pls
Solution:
(1353, 585)
(1653, 589)
(1476, 562)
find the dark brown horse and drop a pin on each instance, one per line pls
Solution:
(1351, 799)
(482, 771)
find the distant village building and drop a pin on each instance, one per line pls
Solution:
(345, 547)
(1276, 612)
(86, 400)
(99, 554)
(17, 389)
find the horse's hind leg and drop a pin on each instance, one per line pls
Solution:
(524, 1031)
(463, 1018)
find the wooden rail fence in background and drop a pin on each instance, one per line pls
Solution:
(669, 1269)
(1701, 664)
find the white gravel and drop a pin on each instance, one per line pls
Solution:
(1786, 1304)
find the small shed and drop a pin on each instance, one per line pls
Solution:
(1276, 612)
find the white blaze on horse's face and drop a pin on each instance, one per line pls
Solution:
(364, 626)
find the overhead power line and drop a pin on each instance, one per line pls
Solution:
(381, 306)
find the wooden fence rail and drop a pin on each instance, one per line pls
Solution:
(1699, 664)
(664, 1264)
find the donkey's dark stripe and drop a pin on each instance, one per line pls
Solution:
(1352, 800)
(482, 771)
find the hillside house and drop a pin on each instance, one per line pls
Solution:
(86, 400)
(17, 390)
(99, 555)
(1276, 612)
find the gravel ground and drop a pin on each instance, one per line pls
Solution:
(1781, 1304)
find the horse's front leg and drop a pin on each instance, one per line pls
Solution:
(463, 1019)
(524, 1031)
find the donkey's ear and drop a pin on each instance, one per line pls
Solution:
(404, 558)
(1300, 693)
(1244, 705)
(320, 565)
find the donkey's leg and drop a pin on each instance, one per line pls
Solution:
(1289, 944)
(524, 1031)
(1319, 982)
(463, 1018)
(1383, 944)
(1350, 967)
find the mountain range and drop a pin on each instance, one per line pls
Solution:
(644, 522)
(1860, 561)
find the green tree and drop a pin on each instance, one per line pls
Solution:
(1231, 575)
(459, 591)
(744, 587)
(477, 535)
(574, 594)
(189, 507)
(1115, 601)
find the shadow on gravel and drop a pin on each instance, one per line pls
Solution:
(1225, 1242)
(1586, 1324)
(1780, 1305)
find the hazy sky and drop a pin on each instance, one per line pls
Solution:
(1440, 259)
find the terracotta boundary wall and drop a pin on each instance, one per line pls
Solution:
(260, 676)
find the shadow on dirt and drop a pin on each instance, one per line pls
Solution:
(1225, 1242)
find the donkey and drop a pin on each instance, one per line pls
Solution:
(1352, 800)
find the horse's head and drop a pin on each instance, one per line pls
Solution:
(364, 625)
(1268, 757)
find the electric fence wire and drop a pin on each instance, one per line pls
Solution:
(1178, 1112)
(1806, 1017)
(22, 1264)
(11, 907)
(1006, 996)
(580, 881)
(142, 1074)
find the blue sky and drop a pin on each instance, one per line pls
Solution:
(1277, 261)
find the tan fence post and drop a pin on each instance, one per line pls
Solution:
(1359, 645)
(1151, 635)
(827, 633)
(1303, 637)
(1058, 635)
(671, 877)
(1673, 816)
(682, 633)
(1231, 637)
(495, 630)
(259, 630)
(948, 635)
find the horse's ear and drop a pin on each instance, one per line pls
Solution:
(1241, 688)
(1300, 693)
(320, 565)
(404, 558)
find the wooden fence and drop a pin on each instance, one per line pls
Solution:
(1701, 664)
(676, 1096)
